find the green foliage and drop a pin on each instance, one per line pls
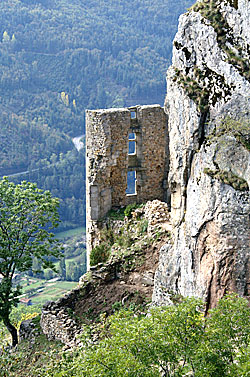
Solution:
(120, 213)
(116, 214)
(225, 351)
(74, 264)
(120, 238)
(18, 314)
(194, 89)
(130, 209)
(27, 214)
(239, 128)
(143, 226)
(64, 176)
(29, 145)
(70, 234)
(28, 357)
(198, 85)
(75, 269)
(127, 63)
(99, 254)
(54, 65)
(171, 341)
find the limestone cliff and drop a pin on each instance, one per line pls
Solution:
(208, 97)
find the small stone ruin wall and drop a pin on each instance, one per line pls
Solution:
(57, 319)
(108, 160)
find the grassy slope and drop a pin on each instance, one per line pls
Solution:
(29, 358)
(135, 253)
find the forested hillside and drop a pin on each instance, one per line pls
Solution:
(59, 57)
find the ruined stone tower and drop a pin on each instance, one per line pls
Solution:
(126, 160)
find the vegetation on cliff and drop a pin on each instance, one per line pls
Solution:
(202, 83)
(235, 50)
(120, 337)
(171, 341)
(228, 135)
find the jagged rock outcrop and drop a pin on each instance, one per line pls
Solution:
(207, 103)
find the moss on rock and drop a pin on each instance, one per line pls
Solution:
(210, 9)
(228, 178)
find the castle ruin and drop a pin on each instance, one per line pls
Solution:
(126, 161)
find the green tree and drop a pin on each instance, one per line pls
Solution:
(172, 341)
(162, 344)
(27, 214)
(6, 37)
(62, 269)
(71, 271)
(225, 349)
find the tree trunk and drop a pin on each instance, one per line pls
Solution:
(12, 330)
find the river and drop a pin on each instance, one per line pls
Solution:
(78, 143)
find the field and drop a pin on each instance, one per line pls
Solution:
(39, 291)
(71, 233)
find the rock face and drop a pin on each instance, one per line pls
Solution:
(208, 110)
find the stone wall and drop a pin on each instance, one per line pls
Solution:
(108, 160)
(57, 319)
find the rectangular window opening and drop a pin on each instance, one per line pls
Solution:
(133, 114)
(131, 183)
(132, 143)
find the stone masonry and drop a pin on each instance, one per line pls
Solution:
(108, 160)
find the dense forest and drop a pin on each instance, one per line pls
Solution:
(59, 57)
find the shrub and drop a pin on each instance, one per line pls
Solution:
(177, 340)
(130, 208)
(99, 254)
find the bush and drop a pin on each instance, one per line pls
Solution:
(130, 208)
(116, 214)
(177, 340)
(99, 254)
